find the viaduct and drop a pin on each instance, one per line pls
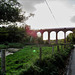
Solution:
(33, 33)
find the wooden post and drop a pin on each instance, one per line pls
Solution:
(3, 62)
(52, 50)
(40, 54)
(57, 47)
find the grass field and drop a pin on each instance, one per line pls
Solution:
(26, 61)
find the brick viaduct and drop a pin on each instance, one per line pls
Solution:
(49, 31)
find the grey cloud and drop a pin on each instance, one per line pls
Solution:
(68, 2)
(29, 5)
(73, 19)
(72, 2)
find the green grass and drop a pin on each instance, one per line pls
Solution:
(25, 60)
(15, 45)
(2, 46)
(11, 45)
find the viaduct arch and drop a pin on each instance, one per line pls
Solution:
(49, 31)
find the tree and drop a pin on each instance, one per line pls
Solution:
(74, 36)
(10, 11)
(70, 38)
(16, 34)
(3, 34)
(11, 34)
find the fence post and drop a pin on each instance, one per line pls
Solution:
(3, 69)
(57, 47)
(52, 50)
(40, 54)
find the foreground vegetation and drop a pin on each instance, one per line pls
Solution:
(26, 61)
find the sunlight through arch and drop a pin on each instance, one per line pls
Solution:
(45, 35)
(39, 34)
(53, 35)
(60, 35)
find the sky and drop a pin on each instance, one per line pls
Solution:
(62, 10)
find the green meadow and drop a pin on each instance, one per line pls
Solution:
(27, 61)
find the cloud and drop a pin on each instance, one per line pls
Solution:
(29, 5)
(70, 3)
(73, 19)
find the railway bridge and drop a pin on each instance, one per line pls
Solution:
(33, 33)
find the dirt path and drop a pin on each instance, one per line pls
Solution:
(71, 66)
(7, 53)
(10, 51)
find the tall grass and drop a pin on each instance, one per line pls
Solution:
(26, 61)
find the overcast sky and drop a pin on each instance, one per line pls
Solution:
(63, 11)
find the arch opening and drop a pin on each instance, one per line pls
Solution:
(53, 35)
(45, 35)
(60, 35)
(38, 34)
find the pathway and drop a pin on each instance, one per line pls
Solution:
(7, 53)
(10, 51)
(71, 70)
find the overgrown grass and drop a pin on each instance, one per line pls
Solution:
(26, 61)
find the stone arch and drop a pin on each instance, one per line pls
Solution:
(45, 35)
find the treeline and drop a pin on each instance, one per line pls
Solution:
(12, 33)
(15, 34)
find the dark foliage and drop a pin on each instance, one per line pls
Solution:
(10, 11)
(11, 34)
